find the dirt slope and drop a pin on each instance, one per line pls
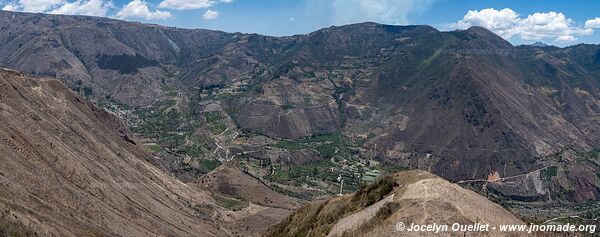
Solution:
(68, 168)
(261, 206)
(462, 104)
(409, 197)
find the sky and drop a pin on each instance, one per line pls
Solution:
(556, 22)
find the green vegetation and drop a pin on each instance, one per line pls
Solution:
(279, 176)
(208, 165)
(214, 122)
(212, 117)
(192, 150)
(337, 157)
(594, 154)
(374, 192)
(317, 219)
(360, 141)
(225, 96)
(87, 92)
(315, 174)
(327, 145)
(230, 203)
(164, 104)
(548, 173)
(327, 150)
(170, 91)
(287, 107)
(162, 126)
(171, 130)
(153, 148)
(389, 168)
(202, 156)
(125, 64)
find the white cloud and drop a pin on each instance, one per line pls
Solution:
(210, 15)
(383, 11)
(10, 7)
(566, 38)
(134, 9)
(186, 4)
(32, 5)
(502, 22)
(292, 19)
(507, 23)
(190, 4)
(37, 5)
(593, 23)
(140, 9)
(90, 8)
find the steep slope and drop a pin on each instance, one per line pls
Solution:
(254, 206)
(466, 105)
(99, 56)
(71, 169)
(409, 197)
(471, 109)
(301, 95)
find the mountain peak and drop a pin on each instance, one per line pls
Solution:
(539, 44)
(481, 31)
(479, 35)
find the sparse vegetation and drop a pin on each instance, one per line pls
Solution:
(548, 173)
(316, 220)
(208, 165)
(230, 203)
(213, 120)
(383, 213)
(153, 148)
(374, 192)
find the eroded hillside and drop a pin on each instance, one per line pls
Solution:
(408, 197)
(72, 169)
(520, 124)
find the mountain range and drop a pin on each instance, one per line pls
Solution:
(518, 123)
(72, 169)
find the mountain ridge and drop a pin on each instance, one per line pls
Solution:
(406, 197)
(69, 169)
(463, 104)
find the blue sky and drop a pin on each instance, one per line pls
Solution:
(521, 22)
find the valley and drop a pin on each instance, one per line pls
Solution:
(239, 126)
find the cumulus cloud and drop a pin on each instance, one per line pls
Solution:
(90, 8)
(10, 7)
(383, 11)
(140, 9)
(134, 9)
(186, 4)
(39, 5)
(210, 15)
(33, 5)
(566, 38)
(538, 26)
(189, 4)
(593, 23)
